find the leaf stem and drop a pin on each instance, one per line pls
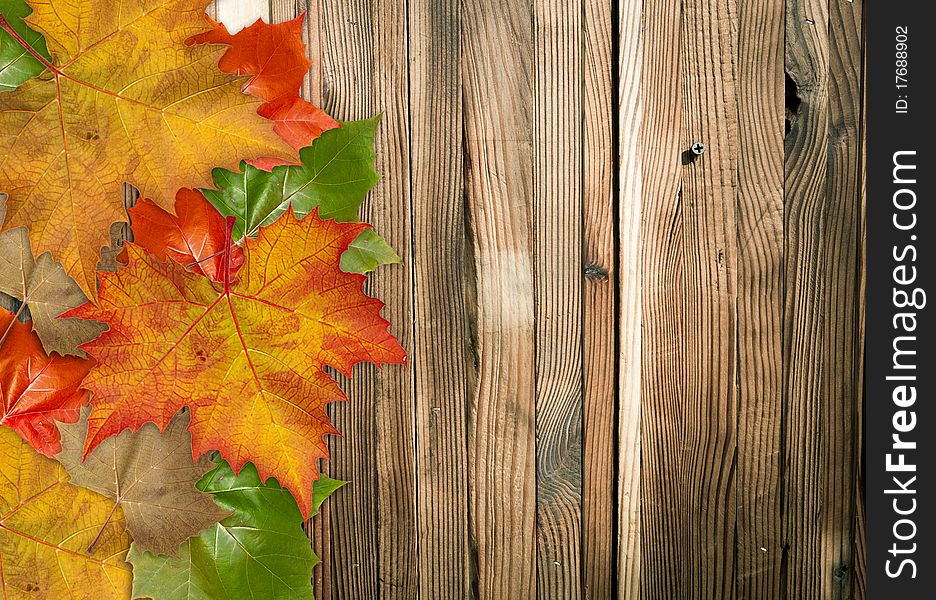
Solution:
(228, 231)
(97, 538)
(6, 26)
(9, 327)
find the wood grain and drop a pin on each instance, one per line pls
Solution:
(662, 524)
(389, 209)
(443, 272)
(364, 72)
(600, 360)
(630, 190)
(497, 67)
(347, 93)
(558, 279)
(319, 528)
(688, 395)
(821, 329)
(759, 199)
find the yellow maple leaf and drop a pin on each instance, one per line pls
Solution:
(46, 527)
(123, 100)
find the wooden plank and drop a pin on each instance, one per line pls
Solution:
(558, 295)
(661, 302)
(600, 360)
(689, 395)
(497, 64)
(760, 94)
(822, 308)
(353, 561)
(372, 528)
(630, 82)
(390, 211)
(443, 359)
(804, 191)
(236, 14)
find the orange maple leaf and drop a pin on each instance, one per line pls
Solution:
(276, 57)
(195, 238)
(246, 356)
(37, 389)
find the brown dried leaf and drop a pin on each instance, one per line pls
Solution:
(151, 475)
(48, 291)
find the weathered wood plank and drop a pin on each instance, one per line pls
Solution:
(558, 294)
(661, 302)
(389, 210)
(822, 307)
(497, 67)
(235, 15)
(804, 189)
(347, 57)
(372, 528)
(689, 275)
(600, 360)
(630, 189)
(444, 358)
(760, 93)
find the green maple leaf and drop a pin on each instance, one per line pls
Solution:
(258, 552)
(336, 173)
(17, 66)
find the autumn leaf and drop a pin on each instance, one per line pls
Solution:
(247, 358)
(36, 388)
(336, 173)
(43, 286)
(122, 100)
(324, 487)
(194, 235)
(17, 65)
(260, 551)
(367, 252)
(276, 57)
(152, 476)
(46, 526)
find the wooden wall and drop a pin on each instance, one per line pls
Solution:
(635, 372)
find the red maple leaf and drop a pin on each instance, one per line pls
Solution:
(195, 238)
(276, 57)
(37, 389)
(245, 355)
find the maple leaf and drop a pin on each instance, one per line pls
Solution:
(46, 526)
(43, 286)
(151, 475)
(276, 57)
(260, 551)
(17, 65)
(37, 389)
(336, 173)
(124, 100)
(194, 236)
(247, 358)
